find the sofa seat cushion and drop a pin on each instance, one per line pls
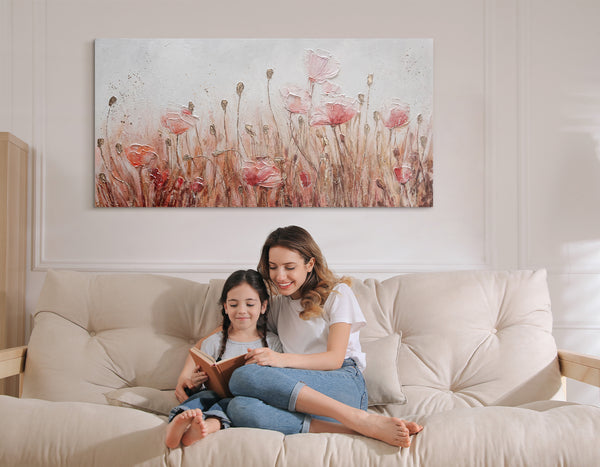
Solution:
(41, 433)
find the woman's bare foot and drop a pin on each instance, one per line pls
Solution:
(179, 425)
(390, 430)
(200, 429)
(413, 428)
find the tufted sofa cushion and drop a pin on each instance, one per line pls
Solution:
(95, 333)
(468, 338)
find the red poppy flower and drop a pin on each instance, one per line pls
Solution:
(159, 177)
(403, 174)
(261, 173)
(305, 179)
(198, 185)
(395, 115)
(178, 122)
(338, 110)
(321, 66)
(140, 155)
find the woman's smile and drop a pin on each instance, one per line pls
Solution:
(288, 270)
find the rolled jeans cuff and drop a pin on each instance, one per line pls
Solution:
(294, 396)
(292, 406)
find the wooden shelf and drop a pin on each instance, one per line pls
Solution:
(13, 245)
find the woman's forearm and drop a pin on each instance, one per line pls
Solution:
(329, 360)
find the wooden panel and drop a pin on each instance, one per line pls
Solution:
(13, 246)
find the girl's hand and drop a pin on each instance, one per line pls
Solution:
(265, 357)
(198, 378)
(192, 382)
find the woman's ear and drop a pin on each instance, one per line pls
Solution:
(263, 307)
(311, 264)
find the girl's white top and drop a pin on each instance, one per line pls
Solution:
(212, 344)
(310, 336)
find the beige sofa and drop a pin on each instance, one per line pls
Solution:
(470, 355)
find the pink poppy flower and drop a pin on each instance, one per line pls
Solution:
(403, 174)
(321, 66)
(140, 155)
(338, 110)
(330, 88)
(395, 115)
(296, 99)
(305, 179)
(178, 122)
(261, 173)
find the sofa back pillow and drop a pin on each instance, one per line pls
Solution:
(469, 338)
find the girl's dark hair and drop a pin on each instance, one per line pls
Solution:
(319, 282)
(254, 280)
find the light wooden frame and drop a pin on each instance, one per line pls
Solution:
(13, 245)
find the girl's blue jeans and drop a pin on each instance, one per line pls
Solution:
(209, 402)
(265, 397)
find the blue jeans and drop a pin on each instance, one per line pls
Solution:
(209, 402)
(265, 397)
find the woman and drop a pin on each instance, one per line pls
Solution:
(316, 385)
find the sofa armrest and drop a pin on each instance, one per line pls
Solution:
(584, 368)
(12, 363)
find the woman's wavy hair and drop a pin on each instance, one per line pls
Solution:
(319, 282)
(254, 280)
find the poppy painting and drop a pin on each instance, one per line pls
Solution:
(263, 122)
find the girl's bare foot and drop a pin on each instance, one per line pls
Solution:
(390, 430)
(199, 429)
(178, 426)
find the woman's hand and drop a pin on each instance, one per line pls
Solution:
(265, 357)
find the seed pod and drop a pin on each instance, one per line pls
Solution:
(239, 88)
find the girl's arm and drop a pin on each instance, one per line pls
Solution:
(331, 359)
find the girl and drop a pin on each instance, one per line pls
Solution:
(318, 379)
(244, 302)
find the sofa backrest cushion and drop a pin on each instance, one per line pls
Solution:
(94, 333)
(468, 338)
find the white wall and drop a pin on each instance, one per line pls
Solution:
(516, 152)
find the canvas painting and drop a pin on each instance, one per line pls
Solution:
(263, 122)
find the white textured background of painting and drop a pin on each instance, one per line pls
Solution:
(169, 72)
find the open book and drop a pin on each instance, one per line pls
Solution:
(218, 372)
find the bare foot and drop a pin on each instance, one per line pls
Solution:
(390, 430)
(413, 428)
(200, 429)
(178, 426)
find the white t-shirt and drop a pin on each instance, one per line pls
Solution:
(310, 336)
(212, 344)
